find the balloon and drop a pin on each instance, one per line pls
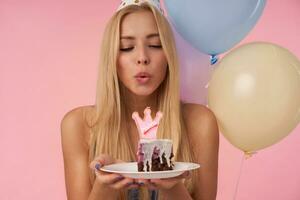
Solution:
(214, 26)
(255, 95)
(195, 72)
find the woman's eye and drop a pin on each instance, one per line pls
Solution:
(131, 48)
(156, 46)
(126, 49)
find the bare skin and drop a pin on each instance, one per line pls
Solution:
(202, 134)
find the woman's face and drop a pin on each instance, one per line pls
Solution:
(141, 63)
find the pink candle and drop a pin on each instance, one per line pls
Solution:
(147, 127)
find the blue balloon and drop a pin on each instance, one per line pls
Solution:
(214, 26)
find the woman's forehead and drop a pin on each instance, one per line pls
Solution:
(138, 23)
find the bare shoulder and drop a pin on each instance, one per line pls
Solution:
(75, 123)
(78, 115)
(201, 118)
(202, 131)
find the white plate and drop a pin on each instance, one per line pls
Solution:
(130, 170)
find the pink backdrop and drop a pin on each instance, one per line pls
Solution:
(48, 62)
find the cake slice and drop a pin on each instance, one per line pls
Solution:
(153, 154)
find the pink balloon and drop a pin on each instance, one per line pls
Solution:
(195, 72)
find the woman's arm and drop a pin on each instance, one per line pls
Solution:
(203, 135)
(74, 134)
(75, 137)
(75, 154)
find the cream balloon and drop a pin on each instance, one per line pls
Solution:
(255, 94)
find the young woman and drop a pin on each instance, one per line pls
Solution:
(138, 69)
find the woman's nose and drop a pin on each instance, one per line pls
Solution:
(144, 61)
(142, 57)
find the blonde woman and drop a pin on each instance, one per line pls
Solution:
(138, 69)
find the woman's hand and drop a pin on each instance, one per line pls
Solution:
(110, 181)
(163, 184)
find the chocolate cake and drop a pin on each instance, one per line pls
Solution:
(155, 155)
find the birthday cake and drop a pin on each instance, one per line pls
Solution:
(153, 154)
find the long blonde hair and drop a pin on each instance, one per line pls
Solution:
(107, 128)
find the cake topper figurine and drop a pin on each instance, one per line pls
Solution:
(147, 127)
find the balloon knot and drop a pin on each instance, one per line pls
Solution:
(249, 154)
(213, 59)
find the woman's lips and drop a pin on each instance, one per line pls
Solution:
(142, 77)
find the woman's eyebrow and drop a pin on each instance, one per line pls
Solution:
(133, 38)
(127, 38)
(152, 35)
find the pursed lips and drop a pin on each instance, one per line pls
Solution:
(142, 75)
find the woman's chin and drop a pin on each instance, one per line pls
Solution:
(143, 91)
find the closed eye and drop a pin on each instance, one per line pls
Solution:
(131, 48)
(126, 49)
(156, 46)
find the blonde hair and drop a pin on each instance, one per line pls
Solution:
(108, 129)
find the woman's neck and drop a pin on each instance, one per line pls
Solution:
(139, 103)
(135, 103)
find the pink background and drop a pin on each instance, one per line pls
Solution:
(48, 62)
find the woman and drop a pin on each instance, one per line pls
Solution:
(138, 69)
